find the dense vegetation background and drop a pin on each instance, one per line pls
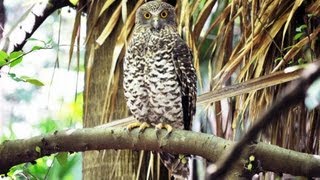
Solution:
(251, 43)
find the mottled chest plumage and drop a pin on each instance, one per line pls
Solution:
(151, 84)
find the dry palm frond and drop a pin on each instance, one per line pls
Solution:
(243, 45)
(114, 75)
(110, 26)
(248, 86)
(105, 6)
(75, 35)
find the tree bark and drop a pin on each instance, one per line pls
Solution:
(105, 164)
(267, 157)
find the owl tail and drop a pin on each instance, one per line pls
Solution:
(177, 165)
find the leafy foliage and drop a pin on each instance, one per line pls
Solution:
(49, 168)
(59, 166)
(10, 63)
(25, 79)
(14, 58)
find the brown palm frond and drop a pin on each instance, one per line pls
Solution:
(241, 52)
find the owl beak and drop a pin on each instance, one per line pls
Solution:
(156, 24)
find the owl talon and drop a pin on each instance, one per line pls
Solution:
(142, 126)
(157, 132)
(163, 126)
(133, 125)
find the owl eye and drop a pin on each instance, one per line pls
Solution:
(164, 14)
(147, 15)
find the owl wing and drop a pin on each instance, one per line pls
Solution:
(182, 60)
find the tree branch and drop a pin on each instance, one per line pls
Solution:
(295, 94)
(34, 15)
(186, 142)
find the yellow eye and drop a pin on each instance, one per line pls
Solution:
(164, 14)
(147, 15)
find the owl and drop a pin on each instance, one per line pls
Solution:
(159, 77)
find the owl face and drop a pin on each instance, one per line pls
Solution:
(155, 15)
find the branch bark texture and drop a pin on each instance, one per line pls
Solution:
(272, 158)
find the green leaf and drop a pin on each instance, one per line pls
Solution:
(33, 39)
(74, 2)
(34, 48)
(297, 36)
(251, 158)
(34, 82)
(15, 54)
(2, 62)
(38, 149)
(301, 61)
(15, 57)
(3, 57)
(301, 28)
(49, 41)
(62, 158)
(15, 77)
(25, 79)
(278, 59)
(12, 75)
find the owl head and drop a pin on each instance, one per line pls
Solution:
(155, 15)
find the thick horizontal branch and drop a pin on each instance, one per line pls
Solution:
(272, 158)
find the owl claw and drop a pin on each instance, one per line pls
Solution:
(142, 126)
(163, 126)
(133, 125)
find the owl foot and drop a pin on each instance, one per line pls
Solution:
(163, 126)
(142, 126)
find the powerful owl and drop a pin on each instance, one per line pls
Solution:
(159, 77)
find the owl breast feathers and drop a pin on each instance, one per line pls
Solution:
(159, 76)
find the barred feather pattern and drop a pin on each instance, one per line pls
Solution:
(160, 79)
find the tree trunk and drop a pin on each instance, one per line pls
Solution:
(107, 164)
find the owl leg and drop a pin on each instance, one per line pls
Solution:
(142, 126)
(159, 126)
